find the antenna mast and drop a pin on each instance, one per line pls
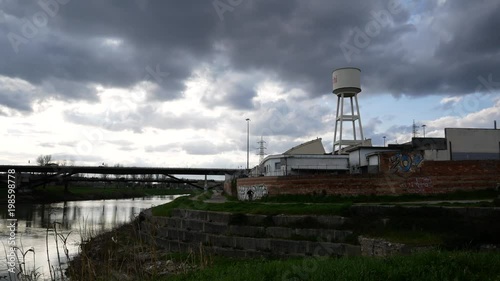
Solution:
(415, 129)
(262, 149)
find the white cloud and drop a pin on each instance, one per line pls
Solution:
(448, 100)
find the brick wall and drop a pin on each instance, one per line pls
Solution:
(427, 177)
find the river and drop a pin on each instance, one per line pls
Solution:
(73, 219)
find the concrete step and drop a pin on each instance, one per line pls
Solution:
(259, 220)
(258, 246)
(176, 224)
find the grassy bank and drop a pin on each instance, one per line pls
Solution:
(122, 255)
(487, 194)
(426, 266)
(75, 193)
(246, 207)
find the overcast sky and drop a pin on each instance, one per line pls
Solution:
(170, 83)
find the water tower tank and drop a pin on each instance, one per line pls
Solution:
(347, 81)
(347, 85)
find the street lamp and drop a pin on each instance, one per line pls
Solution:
(423, 126)
(248, 141)
(384, 140)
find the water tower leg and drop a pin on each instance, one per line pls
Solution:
(336, 123)
(341, 119)
(359, 117)
(353, 119)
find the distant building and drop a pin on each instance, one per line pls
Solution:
(306, 158)
(310, 157)
(472, 144)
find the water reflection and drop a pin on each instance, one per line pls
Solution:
(74, 218)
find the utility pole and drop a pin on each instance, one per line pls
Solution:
(415, 129)
(262, 149)
(248, 141)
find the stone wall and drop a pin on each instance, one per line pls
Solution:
(245, 235)
(249, 235)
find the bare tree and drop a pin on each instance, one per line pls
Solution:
(43, 160)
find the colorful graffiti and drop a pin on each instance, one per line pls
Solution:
(253, 192)
(406, 162)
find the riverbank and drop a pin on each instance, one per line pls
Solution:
(54, 194)
(122, 255)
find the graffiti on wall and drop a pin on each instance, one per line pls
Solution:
(406, 162)
(417, 185)
(253, 192)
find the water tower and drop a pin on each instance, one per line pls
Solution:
(347, 85)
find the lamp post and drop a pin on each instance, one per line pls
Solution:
(423, 126)
(248, 141)
(384, 140)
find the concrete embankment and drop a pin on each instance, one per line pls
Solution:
(240, 235)
(248, 235)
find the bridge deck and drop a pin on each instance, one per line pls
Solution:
(117, 170)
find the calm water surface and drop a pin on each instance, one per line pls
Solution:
(73, 218)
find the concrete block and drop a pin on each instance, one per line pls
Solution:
(194, 237)
(256, 254)
(279, 232)
(286, 220)
(175, 234)
(162, 243)
(279, 246)
(219, 217)
(162, 232)
(197, 215)
(174, 222)
(331, 221)
(229, 252)
(256, 219)
(215, 228)
(220, 240)
(192, 225)
(159, 221)
(352, 250)
(252, 244)
(325, 249)
(178, 213)
(248, 231)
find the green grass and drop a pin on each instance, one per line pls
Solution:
(425, 266)
(319, 198)
(205, 195)
(253, 207)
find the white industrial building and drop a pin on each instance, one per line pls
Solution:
(472, 144)
(306, 158)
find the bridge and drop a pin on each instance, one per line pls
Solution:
(40, 175)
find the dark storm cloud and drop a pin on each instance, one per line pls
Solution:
(299, 42)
